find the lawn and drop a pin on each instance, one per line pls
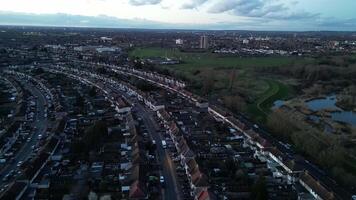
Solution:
(193, 61)
(276, 91)
(197, 66)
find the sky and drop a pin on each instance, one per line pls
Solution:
(288, 15)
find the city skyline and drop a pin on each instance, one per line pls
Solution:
(290, 15)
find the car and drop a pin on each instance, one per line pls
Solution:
(161, 180)
(6, 178)
(9, 154)
(164, 144)
(176, 159)
(19, 164)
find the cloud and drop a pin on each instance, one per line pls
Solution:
(252, 23)
(269, 9)
(193, 4)
(144, 2)
(340, 24)
(301, 15)
(237, 6)
(67, 20)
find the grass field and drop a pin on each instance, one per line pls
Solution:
(196, 66)
(276, 91)
(192, 61)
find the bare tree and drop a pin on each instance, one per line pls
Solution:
(232, 79)
(208, 82)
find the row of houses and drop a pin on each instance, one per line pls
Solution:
(292, 168)
(144, 181)
(166, 80)
(199, 183)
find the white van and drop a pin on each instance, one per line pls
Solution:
(164, 144)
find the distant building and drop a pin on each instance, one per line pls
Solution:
(245, 41)
(204, 42)
(106, 39)
(179, 42)
(335, 43)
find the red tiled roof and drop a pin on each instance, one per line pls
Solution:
(199, 179)
(137, 190)
(206, 195)
(317, 187)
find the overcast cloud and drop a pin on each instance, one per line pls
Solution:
(193, 4)
(144, 2)
(207, 14)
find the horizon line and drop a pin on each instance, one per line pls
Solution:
(171, 29)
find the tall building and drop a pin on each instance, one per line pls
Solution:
(179, 42)
(204, 42)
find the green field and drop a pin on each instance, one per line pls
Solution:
(260, 90)
(192, 61)
(276, 91)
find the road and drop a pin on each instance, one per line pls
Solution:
(170, 187)
(169, 173)
(41, 124)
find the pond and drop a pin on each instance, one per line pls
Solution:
(323, 103)
(316, 119)
(344, 116)
(277, 104)
(329, 102)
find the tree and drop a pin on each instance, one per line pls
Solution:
(92, 92)
(101, 70)
(95, 134)
(79, 148)
(144, 86)
(332, 156)
(259, 189)
(234, 102)
(80, 101)
(38, 71)
(241, 176)
(352, 90)
(281, 124)
(232, 79)
(231, 166)
(91, 139)
(208, 82)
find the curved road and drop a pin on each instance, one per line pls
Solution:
(41, 124)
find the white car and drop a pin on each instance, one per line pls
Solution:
(19, 164)
(161, 179)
